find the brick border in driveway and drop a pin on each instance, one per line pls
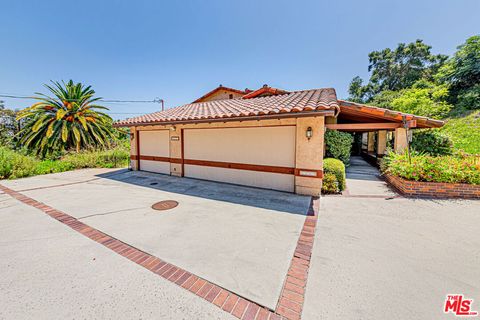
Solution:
(289, 306)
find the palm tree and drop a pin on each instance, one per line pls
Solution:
(70, 119)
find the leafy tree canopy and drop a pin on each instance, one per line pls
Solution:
(8, 125)
(394, 70)
(462, 73)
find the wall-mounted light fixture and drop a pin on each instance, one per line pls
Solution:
(309, 133)
(173, 128)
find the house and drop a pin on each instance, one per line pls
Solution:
(267, 138)
(222, 93)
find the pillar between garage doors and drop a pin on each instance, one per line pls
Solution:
(133, 148)
(309, 156)
(176, 151)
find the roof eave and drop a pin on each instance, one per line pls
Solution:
(302, 114)
(423, 122)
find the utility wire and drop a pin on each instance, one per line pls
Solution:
(157, 100)
(15, 97)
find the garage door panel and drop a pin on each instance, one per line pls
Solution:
(268, 180)
(274, 146)
(155, 143)
(260, 156)
(155, 166)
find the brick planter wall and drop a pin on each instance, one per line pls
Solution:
(434, 189)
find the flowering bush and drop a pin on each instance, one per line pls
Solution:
(452, 169)
(330, 184)
(334, 179)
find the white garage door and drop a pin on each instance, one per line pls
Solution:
(261, 157)
(155, 151)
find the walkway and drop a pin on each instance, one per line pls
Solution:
(381, 257)
(364, 180)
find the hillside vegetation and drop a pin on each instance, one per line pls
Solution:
(15, 165)
(464, 132)
(411, 79)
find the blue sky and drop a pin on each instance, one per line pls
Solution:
(179, 50)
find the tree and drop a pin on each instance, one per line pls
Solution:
(424, 98)
(397, 69)
(8, 125)
(69, 119)
(462, 74)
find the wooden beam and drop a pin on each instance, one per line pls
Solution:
(364, 126)
(412, 124)
(370, 126)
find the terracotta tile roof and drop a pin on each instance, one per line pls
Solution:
(264, 90)
(298, 101)
(348, 107)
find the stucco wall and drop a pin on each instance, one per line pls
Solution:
(309, 154)
(220, 95)
(133, 148)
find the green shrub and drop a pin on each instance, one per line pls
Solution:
(338, 145)
(52, 166)
(114, 158)
(431, 142)
(14, 164)
(337, 169)
(450, 169)
(330, 183)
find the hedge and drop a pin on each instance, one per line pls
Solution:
(338, 145)
(432, 142)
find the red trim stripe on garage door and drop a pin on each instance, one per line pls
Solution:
(240, 166)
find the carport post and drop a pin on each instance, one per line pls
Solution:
(371, 142)
(381, 142)
(401, 142)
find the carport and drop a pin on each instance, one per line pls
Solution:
(378, 127)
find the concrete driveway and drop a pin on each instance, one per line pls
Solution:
(49, 271)
(239, 238)
(378, 257)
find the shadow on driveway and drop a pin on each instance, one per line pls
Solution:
(243, 195)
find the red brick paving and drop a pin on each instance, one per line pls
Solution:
(289, 306)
